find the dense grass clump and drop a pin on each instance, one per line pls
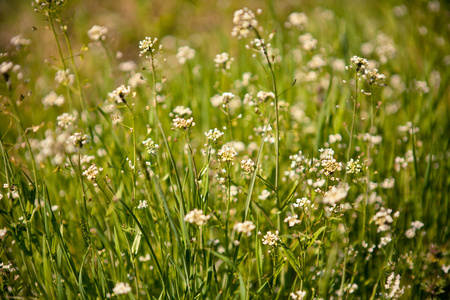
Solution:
(282, 151)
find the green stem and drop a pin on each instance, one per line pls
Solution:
(75, 72)
(61, 57)
(277, 116)
(355, 102)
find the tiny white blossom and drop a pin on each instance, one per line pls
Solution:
(97, 33)
(121, 288)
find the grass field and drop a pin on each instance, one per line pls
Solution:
(203, 150)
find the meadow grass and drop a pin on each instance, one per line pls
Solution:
(293, 152)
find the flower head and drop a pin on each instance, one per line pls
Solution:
(92, 172)
(292, 220)
(53, 99)
(223, 61)
(353, 166)
(183, 123)
(79, 140)
(184, 54)
(244, 227)
(244, 21)
(66, 120)
(151, 146)
(119, 94)
(121, 288)
(298, 295)
(196, 216)
(147, 47)
(360, 64)
(214, 134)
(297, 19)
(270, 238)
(97, 33)
(226, 154)
(248, 165)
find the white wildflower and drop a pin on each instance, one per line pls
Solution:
(244, 20)
(97, 33)
(292, 220)
(196, 216)
(244, 227)
(214, 134)
(121, 288)
(270, 238)
(53, 99)
(184, 54)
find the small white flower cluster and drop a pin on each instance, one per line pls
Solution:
(226, 98)
(248, 165)
(92, 172)
(353, 166)
(119, 94)
(66, 120)
(308, 42)
(54, 147)
(183, 123)
(374, 77)
(410, 233)
(196, 216)
(408, 127)
(151, 146)
(388, 183)
(328, 162)
(297, 19)
(245, 227)
(383, 219)
(259, 45)
(19, 40)
(223, 61)
(264, 195)
(298, 162)
(3, 233)
(304, 204)
(214, 134)
(373, 139)
(53, 99)
(264, 96)
(226, 154)
(147, 47)
(64, 77)
(136, 79)
(360, 64)
(298, 295)
(184, 54)
(244, 20)
(393, 290)
(122, 288)
(334, 195)
(116, 119)
(127, 66)
(400, 163)
(180, 111)
(79, 140)
(292, 220)
(97, 33)
(270, 238)
(5, 67)
(333, 138)
(317, 62)
(421, 86)
(142, 204)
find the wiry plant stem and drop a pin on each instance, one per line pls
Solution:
(277, 115)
